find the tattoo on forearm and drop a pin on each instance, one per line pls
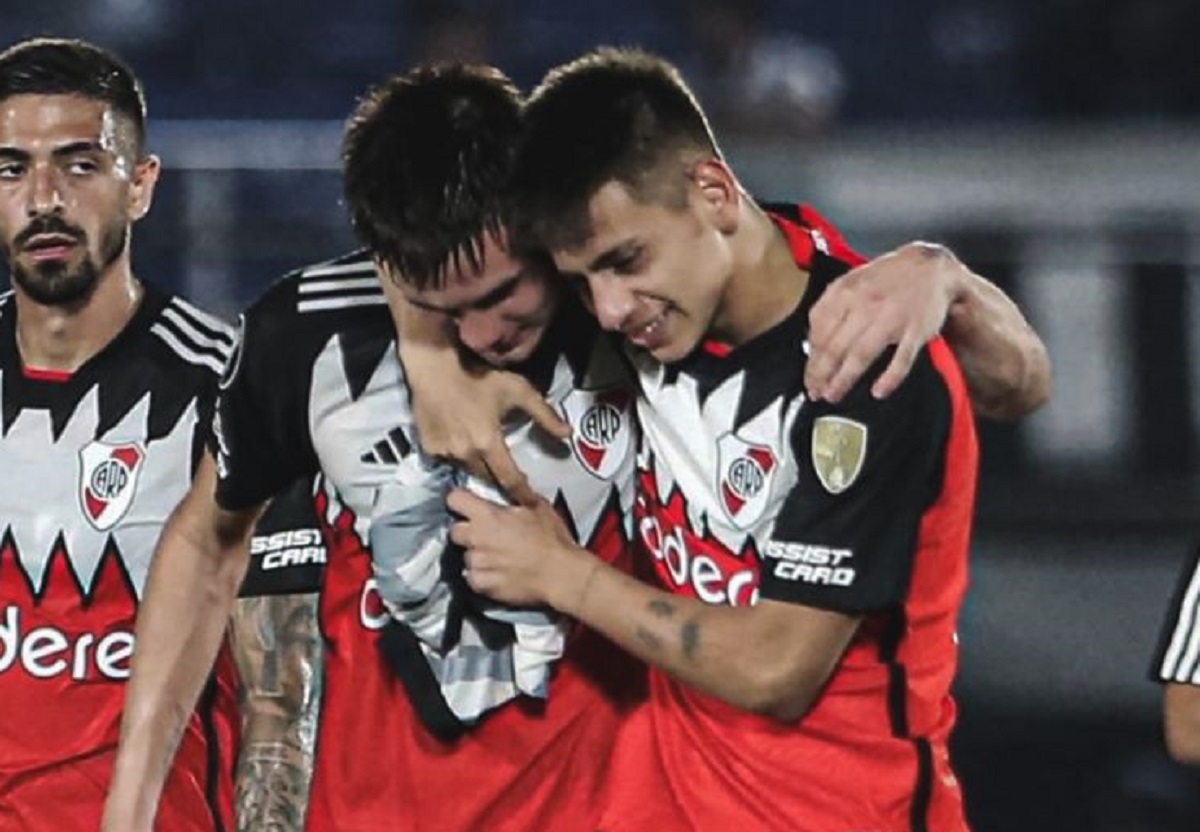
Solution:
(278, 647)
(272, 788)
(689, 639)
(661, 608)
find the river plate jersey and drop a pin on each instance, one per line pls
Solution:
(94, 462)
(316, 386)
(748, 491)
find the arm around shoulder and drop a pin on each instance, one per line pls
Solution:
(908, 296)
(1006, 364)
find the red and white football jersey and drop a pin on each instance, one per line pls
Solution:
(747, 490)
(94, 463)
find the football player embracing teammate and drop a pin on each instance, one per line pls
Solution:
(811, 553)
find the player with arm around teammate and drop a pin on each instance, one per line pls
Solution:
(811, 555)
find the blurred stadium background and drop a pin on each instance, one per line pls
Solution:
(1055, 144)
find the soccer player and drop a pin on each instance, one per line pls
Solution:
(316, 385)
(1177, 666)
(106, 386)
(811, 555)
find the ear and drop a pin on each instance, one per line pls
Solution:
(141, 188)
(719, 193)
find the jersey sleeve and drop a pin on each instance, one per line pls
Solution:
(287, 551)
(868, 469)
(260, 434)
(1178, 656)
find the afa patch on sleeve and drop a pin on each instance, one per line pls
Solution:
(839, 446)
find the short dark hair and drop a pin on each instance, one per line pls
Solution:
(55, 66)
(611, 115)
(427, 163)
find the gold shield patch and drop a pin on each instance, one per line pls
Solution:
(839, 446)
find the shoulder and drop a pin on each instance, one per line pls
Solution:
(334, 309)
(321, 297)
(192, 335)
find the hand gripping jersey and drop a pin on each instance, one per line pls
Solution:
(748, 491)
(317, 385)
(94, 462)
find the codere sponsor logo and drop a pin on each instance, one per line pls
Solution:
(295, 547)
(809, 564)
(708, 574)
(46, 652)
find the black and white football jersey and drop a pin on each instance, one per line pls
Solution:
(317, 386)
(94, 463)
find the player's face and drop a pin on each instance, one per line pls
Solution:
(656, 273)
(69, 188)
(499, 312)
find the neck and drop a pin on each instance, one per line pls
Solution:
(766, 285)
(63, 338)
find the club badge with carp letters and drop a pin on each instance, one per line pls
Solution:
(600, 428)
(108, 475)
(744, 472)
(839, 446)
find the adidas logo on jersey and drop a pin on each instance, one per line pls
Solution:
(46, 652)
(390, 450)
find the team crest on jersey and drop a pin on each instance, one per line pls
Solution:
(839, 446)
(600, 428)
(107, 480)
(744, 471)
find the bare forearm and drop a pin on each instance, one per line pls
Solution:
(719, 650)
(278, 648)
(1005, 362)
(772, 657)
(182, 620)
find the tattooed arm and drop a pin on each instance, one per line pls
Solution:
(277, 645)
(772, 658)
